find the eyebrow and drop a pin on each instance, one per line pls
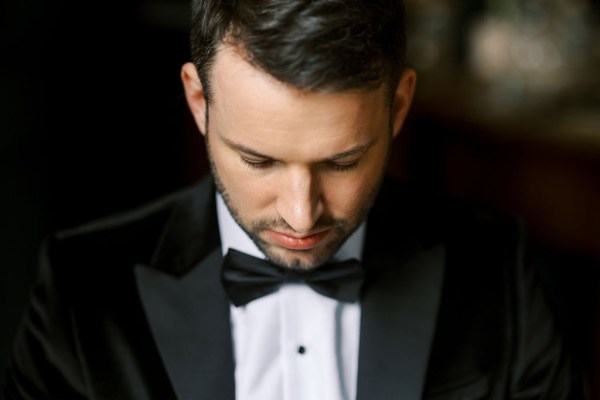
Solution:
(244, 149)
(359, 149)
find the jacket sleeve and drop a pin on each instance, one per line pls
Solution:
(44, 362)
(541, 367)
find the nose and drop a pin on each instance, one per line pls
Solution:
(300, 199)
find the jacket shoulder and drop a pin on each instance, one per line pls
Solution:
(130, 236)
(428, 218)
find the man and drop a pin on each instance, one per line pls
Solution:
(299, 103)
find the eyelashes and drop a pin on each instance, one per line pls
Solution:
(258, 165)
(343, 167)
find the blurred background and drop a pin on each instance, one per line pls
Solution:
(507, 114)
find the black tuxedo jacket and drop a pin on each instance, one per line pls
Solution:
(132, 308)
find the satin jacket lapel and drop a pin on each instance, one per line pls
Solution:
(185, 304)
(189, 318)
(399, 312)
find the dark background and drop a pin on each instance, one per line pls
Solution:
(93, 121)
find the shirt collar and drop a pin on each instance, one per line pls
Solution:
(234, 237)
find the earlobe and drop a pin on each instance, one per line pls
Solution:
(194, 94)
(403, 98)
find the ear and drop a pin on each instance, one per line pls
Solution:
(194, 94)
(403, 99)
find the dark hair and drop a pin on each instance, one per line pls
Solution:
(329, 45)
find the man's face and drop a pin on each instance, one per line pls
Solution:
(298, 170)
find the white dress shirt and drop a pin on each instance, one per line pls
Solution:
(294, 344)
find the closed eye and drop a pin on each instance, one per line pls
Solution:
(256, 164)
(343, 167)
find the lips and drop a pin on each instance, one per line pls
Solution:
(298, 243)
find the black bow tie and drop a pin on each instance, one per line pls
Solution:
(246, 278)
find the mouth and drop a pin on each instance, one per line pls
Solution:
(294, 242)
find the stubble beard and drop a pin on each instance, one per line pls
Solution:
(341, 229)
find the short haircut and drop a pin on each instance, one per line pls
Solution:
(319, 45)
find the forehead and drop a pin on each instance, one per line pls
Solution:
(252, 106)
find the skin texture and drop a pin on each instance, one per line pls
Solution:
(298, 170)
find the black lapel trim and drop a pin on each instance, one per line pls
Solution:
(399, 313)
(404, 262)
(189, 318)
(191, 232)
(185, 304)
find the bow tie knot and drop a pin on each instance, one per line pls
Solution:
(246, 278)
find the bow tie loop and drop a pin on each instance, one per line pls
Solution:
(246, 278)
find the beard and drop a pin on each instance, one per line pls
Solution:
(340, 229)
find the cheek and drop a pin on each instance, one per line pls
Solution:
(241, 185)
(345, 196)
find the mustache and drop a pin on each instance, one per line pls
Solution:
(281, 225)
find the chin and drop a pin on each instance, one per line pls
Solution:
(300, 259)
(297, 260)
